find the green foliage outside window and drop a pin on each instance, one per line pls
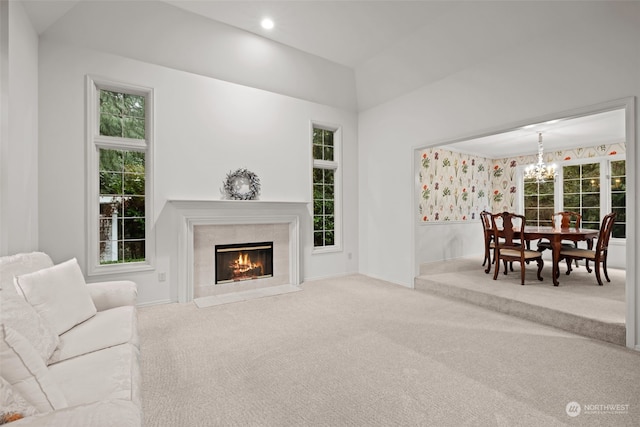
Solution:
(122, 115)
(323, 189)
(618, 197)
(322, 144)
(122, 206)
(538, 202)
(581, 192)
(122, 178)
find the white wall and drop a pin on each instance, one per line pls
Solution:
(204, 128)
(159, 33)
(19, 160)
(591, 58)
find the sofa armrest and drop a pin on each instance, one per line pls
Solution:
(112, 294)
(106, 413)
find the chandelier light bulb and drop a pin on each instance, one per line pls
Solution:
(540, 172)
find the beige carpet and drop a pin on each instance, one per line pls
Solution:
(577, 305)
(360, 352)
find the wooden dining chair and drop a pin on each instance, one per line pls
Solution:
(567, 218)
(485, 217)
(599, 255)
(507, 230)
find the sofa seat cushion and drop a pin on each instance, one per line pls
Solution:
(15, 265)
(106, 329)
(112, 373)
(59, 294)
(19, 315)
(105, 413)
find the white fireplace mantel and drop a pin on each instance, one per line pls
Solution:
(192, 213)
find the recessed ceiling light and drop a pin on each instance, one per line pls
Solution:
(267, 23)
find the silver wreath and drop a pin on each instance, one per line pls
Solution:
(241, 185)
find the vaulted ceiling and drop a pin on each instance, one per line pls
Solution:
(395, 47)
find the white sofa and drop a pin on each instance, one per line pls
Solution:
(69, 351)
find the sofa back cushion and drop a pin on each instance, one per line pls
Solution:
(59, 294)
(15, 265)
(19, 315)
(22, 367)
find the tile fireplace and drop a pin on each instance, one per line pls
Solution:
(205, 224)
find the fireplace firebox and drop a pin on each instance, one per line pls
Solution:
(244, 261)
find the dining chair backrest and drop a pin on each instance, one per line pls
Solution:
(566, 218)
(485, 217)
(605, 232)
(508, 226)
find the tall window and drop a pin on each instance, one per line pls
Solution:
(581, 192)
(118, 183)
(592, 188)
(618, 198)
(538, 202)
(326, 143)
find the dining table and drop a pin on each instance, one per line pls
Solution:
(555, 237)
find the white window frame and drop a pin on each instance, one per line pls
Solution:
(95, 142)
(605, 195)
(336, 165)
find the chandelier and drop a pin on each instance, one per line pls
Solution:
(540, 171)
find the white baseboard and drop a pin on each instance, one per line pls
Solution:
(158, 302)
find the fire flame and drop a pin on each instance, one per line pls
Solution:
(243, 265)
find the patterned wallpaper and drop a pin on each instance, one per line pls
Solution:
(456, 186)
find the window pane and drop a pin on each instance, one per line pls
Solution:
(590, 185)
(591, 215)
(571, 202)
(329, 238)
(618, 168)
(133, 228)
(571, 186)
(591, 200)
(110, 183)
(591, 170)
(317, 152)
(317, 136)
(618, 231)
(545, 215)
(618, 199)
(328, 192)
(318, 238)
(133, 251)
(621, 214)
(539, 204)
(111, 160)
(134, 183)
(122, 115)
(328, 138)
(571, 172)
(122, 206)
(618, 183)
(134, 206)
(328, 153)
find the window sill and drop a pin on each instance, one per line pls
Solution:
(326, 250)
(102, 270)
